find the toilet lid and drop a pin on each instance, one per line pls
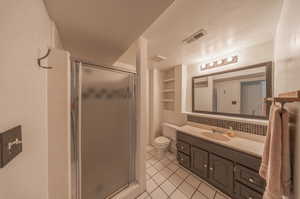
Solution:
(162, 140)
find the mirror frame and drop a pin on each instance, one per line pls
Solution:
(269, 92)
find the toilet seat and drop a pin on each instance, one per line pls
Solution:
(162, 141)
(161, 145)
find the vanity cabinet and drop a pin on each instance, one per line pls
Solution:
(183, 159)
(244, 192)
(221, 173)
(233, 172)
(199, 162)
(249, 177)
(183, 147)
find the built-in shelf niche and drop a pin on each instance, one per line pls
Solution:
(168, 89)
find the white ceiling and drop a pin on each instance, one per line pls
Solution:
(102, 30)
(129, 57)
(230, 24)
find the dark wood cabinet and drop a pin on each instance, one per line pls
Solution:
(199, 162)
(221, 173)
(244, 192)
(183, 159)
(183, 147)
(233, 172)
(249, 178)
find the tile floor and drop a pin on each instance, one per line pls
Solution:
(167, 179)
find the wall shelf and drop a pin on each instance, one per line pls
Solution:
(169, 80)
(168, 90)
(286, 97)
(167, 100)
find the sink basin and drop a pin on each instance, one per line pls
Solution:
(216, 136)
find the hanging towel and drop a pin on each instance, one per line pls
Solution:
(275, 167)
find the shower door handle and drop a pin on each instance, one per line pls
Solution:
(73, 131)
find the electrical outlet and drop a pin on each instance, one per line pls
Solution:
(10, 145)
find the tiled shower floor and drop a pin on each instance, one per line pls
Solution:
(166, 179)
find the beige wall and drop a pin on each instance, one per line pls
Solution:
(287, 69)
(155, 106)
(59, 124)
(25, 34)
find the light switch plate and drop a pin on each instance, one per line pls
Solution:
(10, 145)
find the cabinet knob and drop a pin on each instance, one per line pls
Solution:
(182, 147)
(234, 169)
(211, 168)
(250, 197)
(251, 180)
(181, 159)
(205, 165)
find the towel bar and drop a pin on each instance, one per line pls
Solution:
(286, 97)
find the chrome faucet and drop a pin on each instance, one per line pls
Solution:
(216, 131)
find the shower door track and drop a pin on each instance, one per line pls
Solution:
(116, 192)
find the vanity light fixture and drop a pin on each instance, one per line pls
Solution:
(221, 62)
(229, 59)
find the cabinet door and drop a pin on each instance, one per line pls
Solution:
(199, 162)
(183, 159)
(250, 178)
(221, 173)
(183, 147)
(244, 192)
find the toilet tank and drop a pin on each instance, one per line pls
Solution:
(169, 131)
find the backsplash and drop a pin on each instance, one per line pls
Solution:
(256, 129)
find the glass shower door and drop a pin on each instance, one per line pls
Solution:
(107, 137)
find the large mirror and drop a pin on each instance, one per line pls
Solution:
(238, 92)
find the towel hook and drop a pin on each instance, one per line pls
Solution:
(43, 57)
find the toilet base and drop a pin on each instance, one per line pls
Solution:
(160, 153)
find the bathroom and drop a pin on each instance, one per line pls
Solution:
(148, 99)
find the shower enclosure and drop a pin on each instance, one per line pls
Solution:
(103, 130)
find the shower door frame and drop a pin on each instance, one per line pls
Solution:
(137, 185)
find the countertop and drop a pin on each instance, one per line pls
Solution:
(246, 145)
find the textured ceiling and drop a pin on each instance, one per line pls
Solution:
(100, 31)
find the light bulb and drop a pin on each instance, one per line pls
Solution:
(229, 59)
(220, 61)
(202, 67)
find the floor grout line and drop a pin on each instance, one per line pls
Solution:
(173, 160)
(159, 185)
(215, 195)
(196, 190)
(173, 173)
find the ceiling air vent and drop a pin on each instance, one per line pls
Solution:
(197, 35)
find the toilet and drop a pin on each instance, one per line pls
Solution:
(165, 142)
